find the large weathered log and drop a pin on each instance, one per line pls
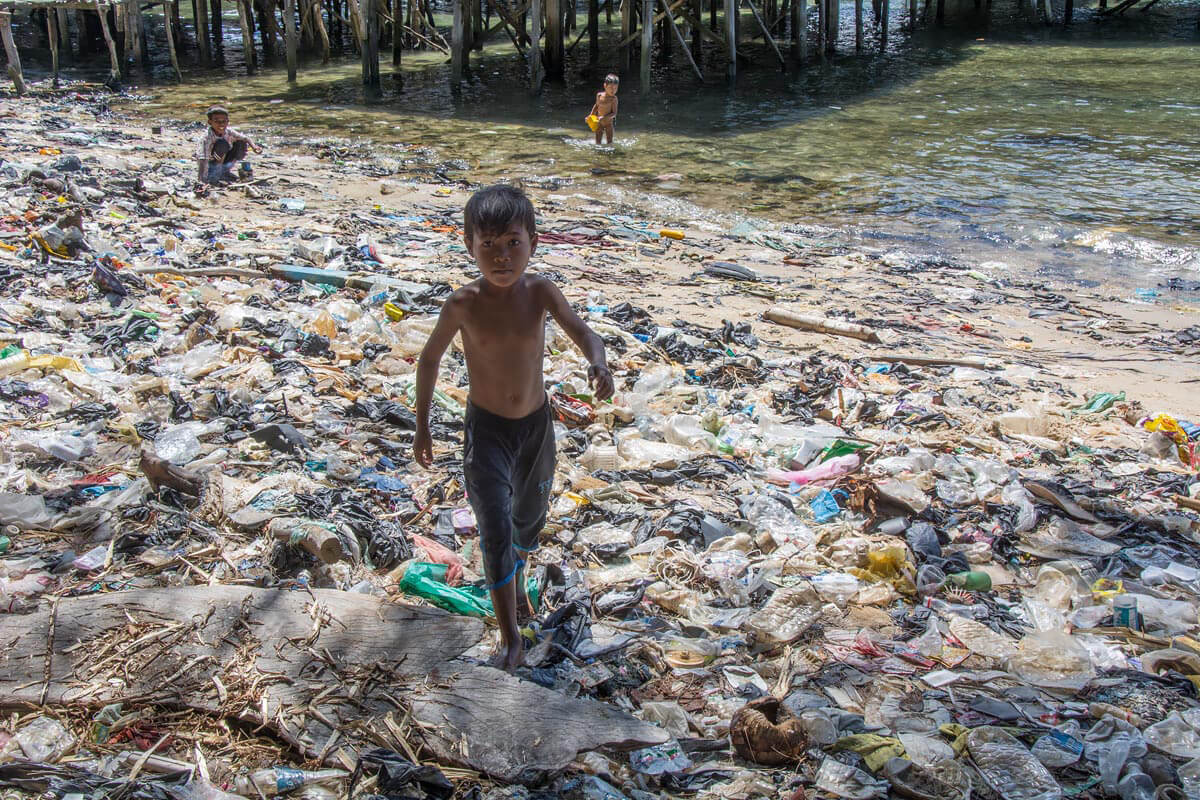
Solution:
(516, 731)
(312, 666)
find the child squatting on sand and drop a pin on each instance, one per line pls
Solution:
(221, 149)
(508, 451)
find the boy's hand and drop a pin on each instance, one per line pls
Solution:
(601, 380)
(423, 447)
(257, 149)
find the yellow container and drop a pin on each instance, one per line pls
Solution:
(592, 121)
(393, 311)
(666, 233)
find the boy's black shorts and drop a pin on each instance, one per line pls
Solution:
(509, 469)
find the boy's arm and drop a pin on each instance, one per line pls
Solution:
(613, 115)
(449, 321)
(587, 340)
(202, 158)
(238, 136)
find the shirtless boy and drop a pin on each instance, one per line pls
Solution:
(605, 108)
(508, 457)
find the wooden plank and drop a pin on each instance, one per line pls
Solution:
(304, 664)
(647, 42)
(10, 51)
(682, 44)
(518, 732)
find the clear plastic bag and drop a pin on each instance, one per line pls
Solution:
(1008, 768)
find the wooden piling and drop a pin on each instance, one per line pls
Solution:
(731, 34)
(883, 25)
(682, 44)
(912, 14)
(457, 42)
(941, 12)
(593, 31)
(766, 32)
(697, 13)
(64, 30)
(289, 37)
(202, 41)
(478, 32)
(554, 37)
(833, 19)
(822, 29)
(218, 26)
(626, 32)
(52, 38)
(268, 28)
(1068, 11)
(647, 42)
(10, 51)
(370, 45)
(535, 45)
(114, 68)
(247, 37)
(800, 30)
(314, 9)
(167, 20)
(858, 25)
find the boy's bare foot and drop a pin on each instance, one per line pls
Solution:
(510, 657)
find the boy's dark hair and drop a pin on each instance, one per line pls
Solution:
(493, 208)
(611, 78)
(217, 110)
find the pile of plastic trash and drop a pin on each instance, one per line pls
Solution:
(853, 578)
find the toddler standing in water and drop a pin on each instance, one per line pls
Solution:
(508, 447)
(605, 108)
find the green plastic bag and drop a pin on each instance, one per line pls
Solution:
(1101, 401)
(841, 447)
(428, 581)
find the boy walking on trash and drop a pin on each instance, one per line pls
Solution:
(508, 457)
(221, 149)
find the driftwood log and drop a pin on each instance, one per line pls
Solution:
(311, 666)
(516, 731)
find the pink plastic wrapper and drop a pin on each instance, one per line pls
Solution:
(825, 471)
(440, 554)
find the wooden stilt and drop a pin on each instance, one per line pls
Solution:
(114, 69)
(167, 19)
(858, 25)
(664, 38)
(766, 33)
(370, 49)
(822, 26)
(218, 32)
(268, 29)
(10, 51)
(1068, 11)
(397, 31)
(682, 44)
(799, 30)
(457, 42)
(64, 30)
(202, 40)
(912, 14)
(593, 31)
(696, 15)
(626, 32)
(131, 11)
(535, 45)
(834, 18)
(554, 37)
(608, 11)
(314, 10)
(1047, 11)
(883, 25)
(480, 31)
(247, 37)
(177, 25)
(52, 38)
(289, 36)
(731, 34)
(941, 12)
(647, 42)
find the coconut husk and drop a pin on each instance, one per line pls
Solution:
(764, 732)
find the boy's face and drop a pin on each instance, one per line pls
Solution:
(610, 89)
(219, 122)
(502, 256)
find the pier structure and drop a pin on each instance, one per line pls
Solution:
(543, 32)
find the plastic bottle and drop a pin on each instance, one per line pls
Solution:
(974, 611)
(973, 581)
(1136, 785)
(277, 780)
(1009, 769)
(1060, 747)
(14, 363)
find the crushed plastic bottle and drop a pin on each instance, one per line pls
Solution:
(1009, 769)
(1060, 747)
